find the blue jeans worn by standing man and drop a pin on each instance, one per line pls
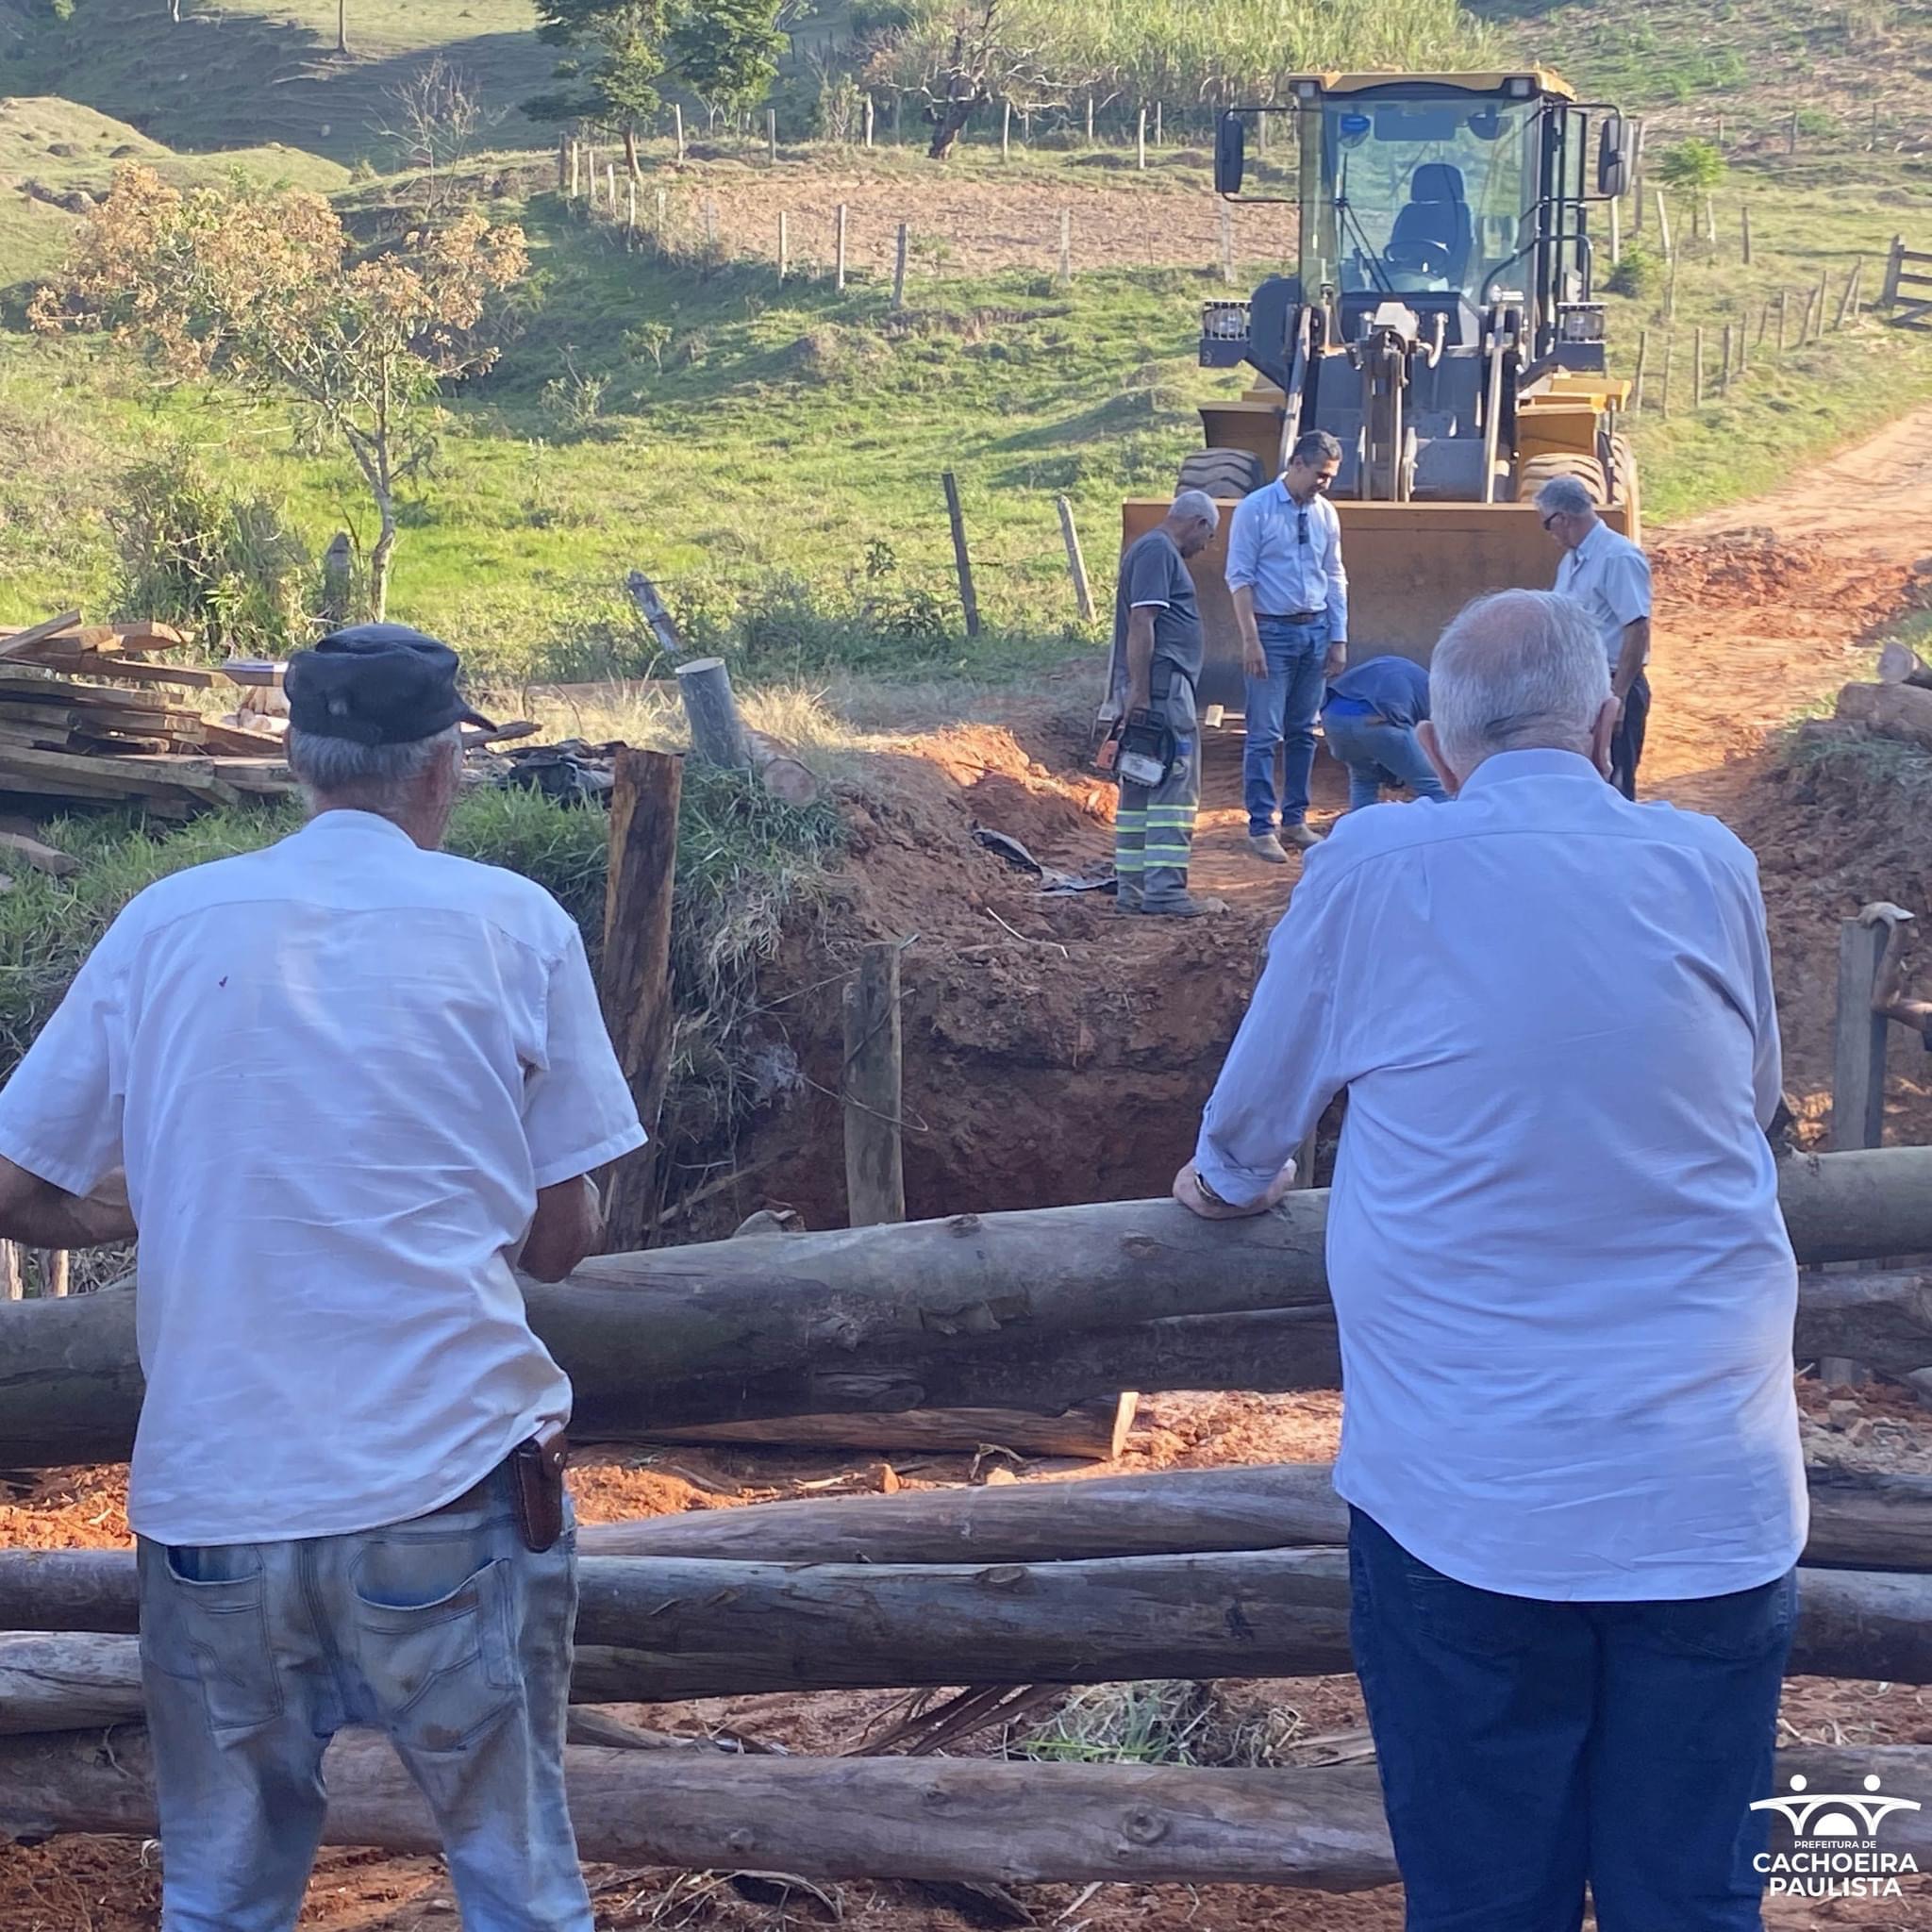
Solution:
(1378, 752)
(445, 1632)
(1283, 707)
(1527, 1748)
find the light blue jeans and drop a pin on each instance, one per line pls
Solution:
(445, 1632)
(1283, 707)
(1376, 754)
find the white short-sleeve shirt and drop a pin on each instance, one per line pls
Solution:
(1610, 576)
(337, 1071)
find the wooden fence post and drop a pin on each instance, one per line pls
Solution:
(717, 732)
(1636, 374)
(1076, 564)
(1663, 225)
(1697, 367)
(575, 162)
(870, 111)
(899, 270)
(1743, 345)
(1140, 144)
(871, 1091)
(1005, 130)
(1894, 267)
(963, 562)
(611, 188)
(1744, 230)
(1710, 220)
(639, 883)
(771, 136)
(1664, 395)
(1725, 378)
(839, 244)
(784, 242)
(1616, 233)
(562, 162)
(1821, 298)
(1158, 137)
(677, 126)
(1066, 247)
(1851, 293)
(1857, 1069)
(1089, 120)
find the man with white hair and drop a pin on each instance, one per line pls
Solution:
(1565, 1299)
(1157, 663)
(355, 1083)
(1610, 576)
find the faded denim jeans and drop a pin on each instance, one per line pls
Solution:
(444, 1632)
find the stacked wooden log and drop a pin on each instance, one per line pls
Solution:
(1193, 1574)
(85, 714)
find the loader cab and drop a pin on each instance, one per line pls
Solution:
(1444, 194)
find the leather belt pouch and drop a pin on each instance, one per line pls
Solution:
(536, 1486)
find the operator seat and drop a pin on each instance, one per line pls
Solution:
(1437, 212)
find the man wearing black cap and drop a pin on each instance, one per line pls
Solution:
(354, 1083)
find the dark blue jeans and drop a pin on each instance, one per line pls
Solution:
(1527, 1748)
(1283, 706)
(1376, 754)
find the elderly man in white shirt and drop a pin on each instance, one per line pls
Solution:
(1565, 1298)
(354, 1083)
(1610, 576)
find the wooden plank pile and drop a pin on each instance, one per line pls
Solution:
(88, 713)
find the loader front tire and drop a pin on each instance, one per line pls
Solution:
(1226, 475)
(1543, 468)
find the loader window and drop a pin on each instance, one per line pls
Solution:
(1425, 195)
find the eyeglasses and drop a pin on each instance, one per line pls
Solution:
(1556, 516)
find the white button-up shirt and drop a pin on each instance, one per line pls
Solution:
(1563, 1286)
(1265, 552)
(338, 1071)
(1611, 578)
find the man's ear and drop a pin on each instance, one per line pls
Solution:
(1601, 734)
(1432, 750)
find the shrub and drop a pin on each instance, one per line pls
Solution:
(218, 561)
(1636, 273)
(1693, 164)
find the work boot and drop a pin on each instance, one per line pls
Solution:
(1300, 836)
(1128, 903)
(1183, 906)
(1266, 845)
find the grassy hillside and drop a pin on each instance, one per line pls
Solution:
(54, 152)
(244, 72)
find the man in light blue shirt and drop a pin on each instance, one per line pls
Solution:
(1565, 1299)
(1291, 602)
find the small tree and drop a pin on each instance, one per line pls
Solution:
(623, 54)
(436, 117)
(1695, 166)
(262, 289)
(961, 55)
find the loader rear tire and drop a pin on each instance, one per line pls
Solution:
(1228, 474)
(1540, 470)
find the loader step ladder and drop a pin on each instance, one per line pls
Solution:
(1908, 298)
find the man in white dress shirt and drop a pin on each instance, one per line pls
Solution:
(1290, 604)
(353, 1081)
(1611, 578)
(1565, 1297)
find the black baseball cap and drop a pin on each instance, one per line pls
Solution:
(376, 684)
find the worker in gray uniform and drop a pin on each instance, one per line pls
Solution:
(1157, 663)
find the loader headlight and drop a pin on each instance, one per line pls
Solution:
(1580, 322)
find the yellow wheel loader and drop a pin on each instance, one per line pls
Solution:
(1439, 323)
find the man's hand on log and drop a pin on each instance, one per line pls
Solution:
(1192, 1193)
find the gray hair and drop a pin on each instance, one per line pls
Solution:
(1198, 505)
(1517, 670)
(381, 779)
(1565, 495)
(1315, 446)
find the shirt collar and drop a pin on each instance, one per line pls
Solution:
(1504, 767)
(1598, 529)
(341, 822)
